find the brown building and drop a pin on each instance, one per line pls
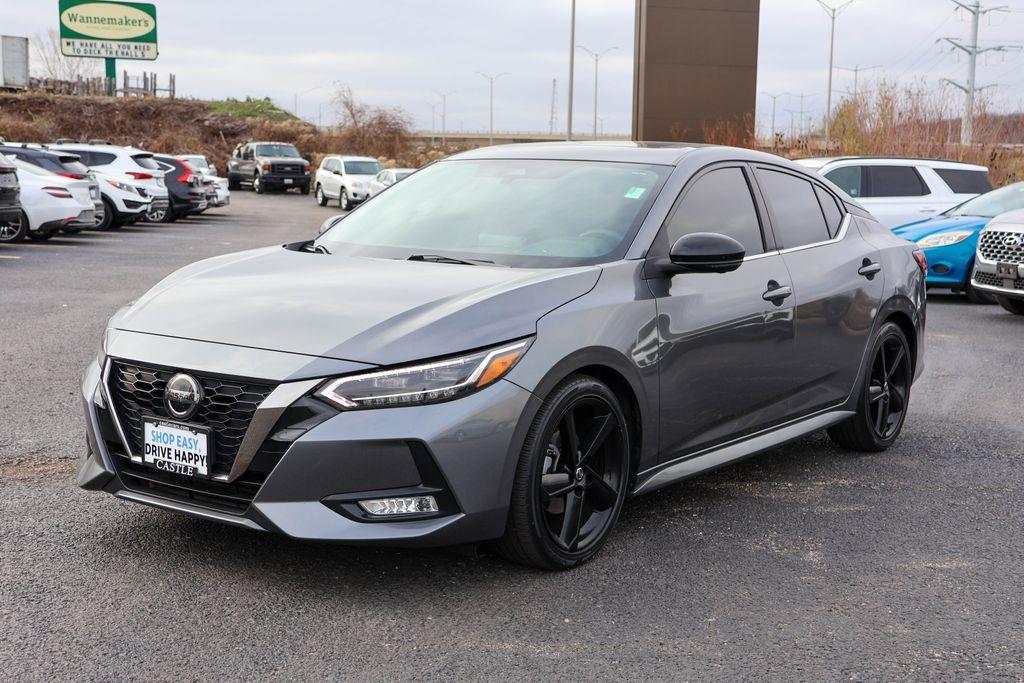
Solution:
(695, 66)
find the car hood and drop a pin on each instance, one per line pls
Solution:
(283, 160)
(369, 310)
(931, 226)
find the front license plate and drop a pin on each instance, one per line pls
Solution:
(1007, 270)
(176, 448)
(287, 181)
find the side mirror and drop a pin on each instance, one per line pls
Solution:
(704, 252)
(336, 171)
(329, 223)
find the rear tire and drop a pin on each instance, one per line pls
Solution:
(975, 295)
(321, 198)
(14, 231)
(572, 478)
(1015, 306)
(884, 396)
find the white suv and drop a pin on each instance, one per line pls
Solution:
(131, 182)
(346, 179)
(898, 191)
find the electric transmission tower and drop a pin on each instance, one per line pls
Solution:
(972, 50)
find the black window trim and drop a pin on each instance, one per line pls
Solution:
(760, 210)
(844, 224)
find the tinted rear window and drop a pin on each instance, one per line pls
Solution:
(894, 181)
(146, 161)
(831, 209)
(965, 182)
(796, 214)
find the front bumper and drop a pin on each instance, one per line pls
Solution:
(986, 276)
(467, 448)
(950, 266)
(284, 180)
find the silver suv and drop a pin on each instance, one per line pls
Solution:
(999, 261)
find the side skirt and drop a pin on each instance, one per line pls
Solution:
(688, 466)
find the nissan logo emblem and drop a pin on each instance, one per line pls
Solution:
(1013, 240)
(182, 396)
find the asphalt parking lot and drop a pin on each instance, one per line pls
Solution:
(807, 563)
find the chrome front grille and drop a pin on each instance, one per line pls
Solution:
(227, 408)
(1005, 247)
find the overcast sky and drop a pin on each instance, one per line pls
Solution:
(395, 53)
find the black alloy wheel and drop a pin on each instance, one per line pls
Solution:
(882, 406)
(13, 231)
(572, 478)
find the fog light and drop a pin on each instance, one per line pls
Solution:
(400, 506)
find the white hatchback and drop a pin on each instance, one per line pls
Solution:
(50, 201)
(898, 191)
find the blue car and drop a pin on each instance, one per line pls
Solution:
(950, 239)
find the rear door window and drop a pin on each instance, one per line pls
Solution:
(146, 161)
(831, 210)
(965, 182)
(849, 179)
(894, 181)
(719, 201)
(797, 217)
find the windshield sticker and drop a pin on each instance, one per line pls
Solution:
(635, 192)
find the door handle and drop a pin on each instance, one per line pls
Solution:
(869, 269)
(777, 293)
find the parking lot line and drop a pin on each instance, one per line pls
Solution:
(47, 244)
(9, 257)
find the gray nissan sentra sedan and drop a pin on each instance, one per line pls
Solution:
(506, 345)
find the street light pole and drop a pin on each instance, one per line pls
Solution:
(775, 100)
(572, 69)
(444, 115)
(856, 73)
(295, 99)
(597, 60)
(491, 80)
(832, 12)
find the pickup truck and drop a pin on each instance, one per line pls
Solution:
(268, 165)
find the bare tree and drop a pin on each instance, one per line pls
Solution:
(48, 62)
(366, 129)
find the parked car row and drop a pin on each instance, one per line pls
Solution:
(346, 179)
(69, 186)
(971, 234)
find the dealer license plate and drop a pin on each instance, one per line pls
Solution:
(1007, 270)
(288, 181)
(176, 448)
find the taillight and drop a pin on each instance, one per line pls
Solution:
(76, 176)
(140, 176)
(58, 192)
(185, 177)
(922, 260)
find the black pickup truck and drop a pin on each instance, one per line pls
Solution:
(268, 165)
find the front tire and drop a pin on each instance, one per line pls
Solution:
(572, 478)
(884, 396)
(304, 189)
(257, 184)
(1015, 306)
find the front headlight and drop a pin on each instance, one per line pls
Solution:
(432, 382)
(124, 187)
(944, 239)
(357, 183)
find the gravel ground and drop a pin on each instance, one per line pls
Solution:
(807, 563)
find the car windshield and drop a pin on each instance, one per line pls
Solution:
(991, 204)
(521, 213)
(362, 167)
(276, 150)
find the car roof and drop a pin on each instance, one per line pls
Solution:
(658, 153)
(820, 162)
(348, 157)
(59, 154)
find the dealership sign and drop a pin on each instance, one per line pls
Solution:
(112, 30)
